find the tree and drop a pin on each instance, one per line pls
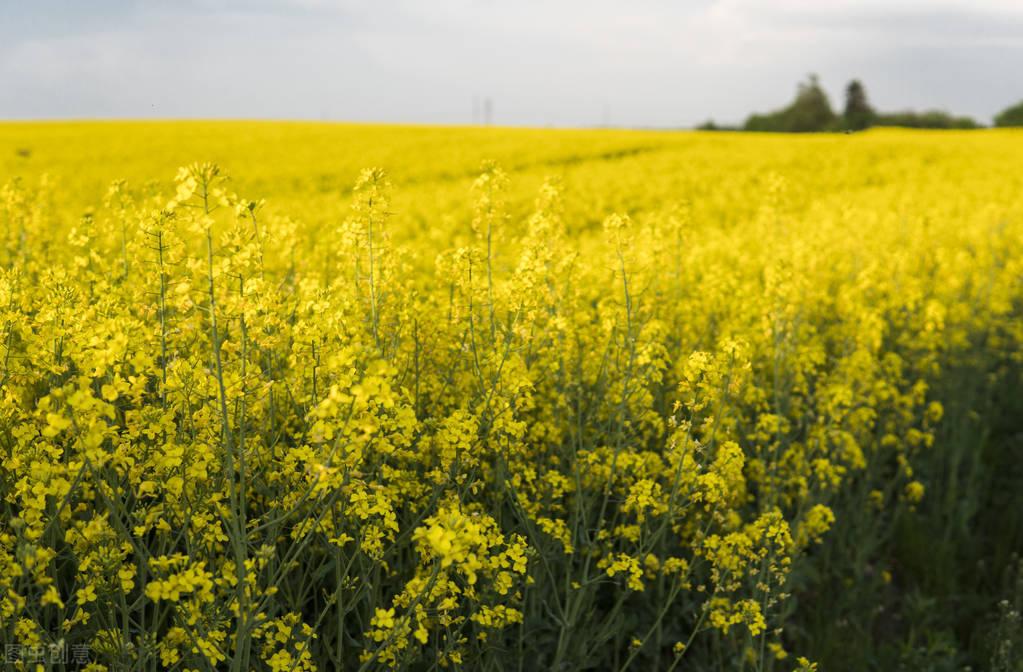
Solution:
(1010, 116)
(810, 112)
(925, 119)
(858, 113)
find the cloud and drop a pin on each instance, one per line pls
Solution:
(648, 62)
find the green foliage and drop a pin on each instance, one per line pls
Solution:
(938, 585)
(1010, 116)
(858, 113)
(927, 119)
(810, 112)
(711, 125)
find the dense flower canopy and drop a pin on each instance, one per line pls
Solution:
(593, 406)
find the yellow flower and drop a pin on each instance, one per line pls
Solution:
(85, 595)
(51, 596)
(384, 618)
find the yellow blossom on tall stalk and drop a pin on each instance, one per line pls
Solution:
(516, 400)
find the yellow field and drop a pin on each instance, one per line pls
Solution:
(370, 397)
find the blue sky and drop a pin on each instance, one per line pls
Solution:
(540, 62)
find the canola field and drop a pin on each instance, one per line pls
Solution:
(290, 396)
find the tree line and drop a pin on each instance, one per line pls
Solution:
(811, 112)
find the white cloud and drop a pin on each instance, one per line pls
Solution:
(646, 62)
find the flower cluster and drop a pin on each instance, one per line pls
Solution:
(448, 424)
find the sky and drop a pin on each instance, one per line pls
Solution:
(634, 63)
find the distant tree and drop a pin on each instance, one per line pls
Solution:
(770, 122)
(858, 113)
(926, 119)
(1010, 116)
(708, 125)
(810, 112)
